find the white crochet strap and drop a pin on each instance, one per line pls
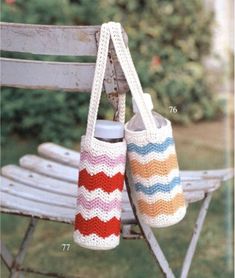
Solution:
(97, 84)
(131, 75)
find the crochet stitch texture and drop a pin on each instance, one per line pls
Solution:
(100, 185)
(157, 187)
(158, 194)
(101, 170)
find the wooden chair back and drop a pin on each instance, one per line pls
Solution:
(76, 41)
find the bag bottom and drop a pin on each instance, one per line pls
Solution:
(94, 242)
(163, 221)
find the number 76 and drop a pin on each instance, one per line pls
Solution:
(173, 109)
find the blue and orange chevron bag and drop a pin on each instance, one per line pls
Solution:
(158, 193)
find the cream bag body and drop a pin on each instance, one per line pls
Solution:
(101, 172)
(158, 193)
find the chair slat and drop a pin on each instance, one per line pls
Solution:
(49, 40)
(12, 202)
(24, 211)
(36, 195)
(59, 154)
(21, 199)
(49, 168)
(195, 196)
(53, 169)
(199, 185)
(72, 77)
(219, 174)
(48, 184)
(39, 181)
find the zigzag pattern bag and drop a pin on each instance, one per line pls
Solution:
(101, 172)
(158, 193)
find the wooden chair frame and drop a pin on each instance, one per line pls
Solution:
(75, 77)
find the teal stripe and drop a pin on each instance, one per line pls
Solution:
(158, 187)
(150, 147)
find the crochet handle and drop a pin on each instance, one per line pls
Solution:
(131, 75)
(97, 84)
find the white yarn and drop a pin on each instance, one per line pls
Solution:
(95, 208)
(95, 242)
(151, 146)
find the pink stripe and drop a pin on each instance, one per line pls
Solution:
(103, 159)
(98, 203)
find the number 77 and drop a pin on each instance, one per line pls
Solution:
(65, 246)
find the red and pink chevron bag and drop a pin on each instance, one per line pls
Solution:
(101, 172)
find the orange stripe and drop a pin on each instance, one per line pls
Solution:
(154, 167)
(161, 206)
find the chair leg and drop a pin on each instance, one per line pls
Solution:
(15, 264)
(6, 256)
(156, 250)
(196, 233)
(9, 261)
(16, 274)
(15, 269)
(149, 236)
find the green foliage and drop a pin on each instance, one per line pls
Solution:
(44, 116)
(171, 38)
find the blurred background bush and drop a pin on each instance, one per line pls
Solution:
(167, 39)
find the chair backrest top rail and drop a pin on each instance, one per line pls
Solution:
(50, 39)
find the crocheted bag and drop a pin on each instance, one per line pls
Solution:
(158, 194)
(101, 172)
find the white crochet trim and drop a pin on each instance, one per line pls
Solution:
(97, 84)
(130, 73)
(151, 156)
(164, 220)
(103, 215)
(165, 196)
(110, 172)
(95, 242)
(99, 193)
(157, 179)
(145, 136)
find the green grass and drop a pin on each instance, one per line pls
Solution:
(131, 259)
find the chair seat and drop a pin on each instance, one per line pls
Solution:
(45, 185)
(30, 193)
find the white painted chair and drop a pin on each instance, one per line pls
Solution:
(44, 186)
